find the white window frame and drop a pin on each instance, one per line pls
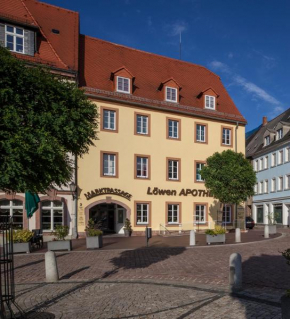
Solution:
(287, 182)
(261, 187)
(266, 187)
(209, 102)
(266, 162)
(279, 134)
(12, 207)
(227, 135)
(227, 209)
(198, 212)
(110, 121)
(144, 161)
(111, 164)
(143, 128)
(175, 129)
(273, 185)
(273, 159)
(52, 209)
(280, 157)
(172, 167)
(280, 183)
(200, 130)
(256, 188)
(15, 36)
(287, 154)
(267, 140)
(261, 163)
(123, 79)
(170, 211)
(170, 90)
(142, 205)
(198, 167)
(256, 165)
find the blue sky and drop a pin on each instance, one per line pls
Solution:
(245, 42)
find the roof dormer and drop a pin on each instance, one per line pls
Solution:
(170, 90)
(209, 98)
(269, 136)
(282, 129)
(123, 80)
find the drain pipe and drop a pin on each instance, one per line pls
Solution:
(236, 149)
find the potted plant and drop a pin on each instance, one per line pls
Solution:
(216, 235)
(94, 238)
(22, 241)
(272, 221)
(285, 299)
(127, 228)
(60, 243)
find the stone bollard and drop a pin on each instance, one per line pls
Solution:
(192, 238)
(235, 277)
(266, 231)
(238, 235)
(51, 271)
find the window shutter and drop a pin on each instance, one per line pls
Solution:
(2, 35)
(29, 42)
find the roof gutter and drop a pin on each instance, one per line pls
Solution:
(109, 99)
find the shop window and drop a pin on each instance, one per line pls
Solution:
(260, 215)
(51, 215)
(142, 211)
(278, 214)
(12, 208)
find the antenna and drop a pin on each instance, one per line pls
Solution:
(180, 47)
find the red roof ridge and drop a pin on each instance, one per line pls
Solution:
(51, 5)
(150, 53)
(41, 30)
(31, 16)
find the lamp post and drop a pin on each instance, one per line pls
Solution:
(73, 189)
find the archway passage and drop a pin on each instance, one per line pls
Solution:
(111, 217)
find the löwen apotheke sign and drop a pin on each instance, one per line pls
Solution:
(150, 191)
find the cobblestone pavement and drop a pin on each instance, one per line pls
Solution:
(136, 300)
(265, 276)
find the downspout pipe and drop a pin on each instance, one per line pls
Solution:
(236, 149)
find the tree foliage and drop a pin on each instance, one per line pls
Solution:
(229, 177)
(43, 118)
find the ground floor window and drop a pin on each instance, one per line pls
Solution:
(260, 215)
(278, 214)
(142, 213)
(200, 214)
(227, 214)
(51, 214)
(173, 213)
(13, 208)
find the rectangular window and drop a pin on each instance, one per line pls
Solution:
(226, 136)
(173, 169)
(201, 133)
(266, 186)
(273, 159)
(280, 157)
(171, 94)
(256, 168)
(123, 84)
(198, 167)
(261, 187)
(273, 185)
(261, 164)
(51, 215)
(14, 39)
(142, 125)
(227, 214)
(256, 188)
(280, 183)
(267, 140)
(287, 182)
(142, 167)
(109, 164)
(200, 214)
(109, 120)
(173, 213)
(142, 212)
(287, 154)
(266, 162)
(209, 102)
(173, 129)
(278, 214)
(279, 134)
(260, 215)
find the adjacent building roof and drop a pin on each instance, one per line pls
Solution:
(56, 50)
(255, 142)
(98, 59)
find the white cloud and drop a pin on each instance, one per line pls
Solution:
(220, 66)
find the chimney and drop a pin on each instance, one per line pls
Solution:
(265, 120)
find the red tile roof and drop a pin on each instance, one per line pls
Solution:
(98, 59)
(56, 50)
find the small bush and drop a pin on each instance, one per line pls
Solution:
(92, 229)
(61, 232)
(22, 236)
(127, 225)
(218, 230)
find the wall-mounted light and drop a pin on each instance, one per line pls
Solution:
(73, 189)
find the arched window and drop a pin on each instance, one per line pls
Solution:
(13, 208)
(51, 214)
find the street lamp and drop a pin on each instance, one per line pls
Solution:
(73, 189)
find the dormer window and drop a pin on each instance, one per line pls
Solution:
(279, 134)
(123, 84)
(171, 94)
(14, 39)
(267, 140)
(210, 102)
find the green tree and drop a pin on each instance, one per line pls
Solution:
(229, 177)
(43, 119)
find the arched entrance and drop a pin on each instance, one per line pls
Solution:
(110, 214)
